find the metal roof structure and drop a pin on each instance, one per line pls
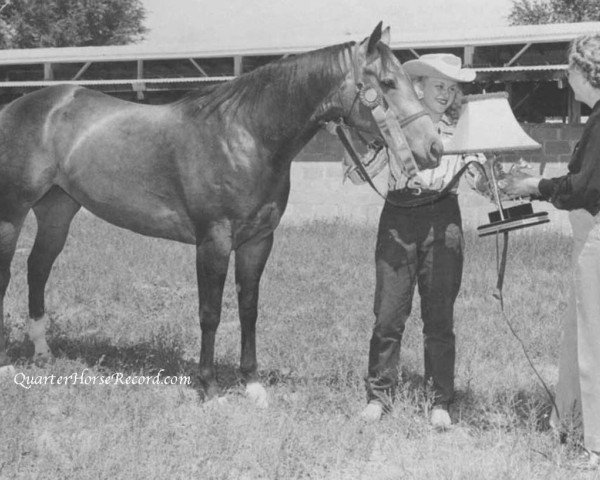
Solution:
(511, 35)
(525, 68)
(500, 55)
(231, 47)
(135, 83)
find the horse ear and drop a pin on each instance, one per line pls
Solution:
(374, 39)
(385, 36)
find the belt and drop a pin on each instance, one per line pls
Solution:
(409, 198)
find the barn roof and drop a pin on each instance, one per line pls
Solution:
(218, 47)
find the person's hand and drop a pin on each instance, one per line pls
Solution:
(518, 184)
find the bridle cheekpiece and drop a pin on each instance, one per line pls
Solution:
(389, 126)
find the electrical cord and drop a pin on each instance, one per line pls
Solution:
(498, 295)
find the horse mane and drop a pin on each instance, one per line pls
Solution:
(294, 79)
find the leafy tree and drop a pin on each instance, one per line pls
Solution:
(70, 23)
(534, 12)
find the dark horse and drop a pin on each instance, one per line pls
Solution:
(212, 169)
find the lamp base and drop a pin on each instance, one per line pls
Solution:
(519, 216)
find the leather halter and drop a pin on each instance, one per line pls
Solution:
(362, 95)
(412, 118)
(391, 130)
(341, 130)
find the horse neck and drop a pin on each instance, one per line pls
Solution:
(282, 103)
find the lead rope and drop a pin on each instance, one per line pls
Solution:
(500, 270)
(341, 130)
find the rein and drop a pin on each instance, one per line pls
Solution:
(391, 130)
(341, 131)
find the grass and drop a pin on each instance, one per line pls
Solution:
(124, 303)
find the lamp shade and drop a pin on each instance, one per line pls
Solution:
(487, 124)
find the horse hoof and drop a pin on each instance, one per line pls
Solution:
(216, 402)
(372, 412)
(42, 359)
(7, 372)
(257, 393)
(440, 419)
(4, 360)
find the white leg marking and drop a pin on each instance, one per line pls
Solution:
(37, 334)
(7, 372)
(216, 403)
(257, 393)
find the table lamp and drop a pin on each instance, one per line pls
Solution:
(488, 125)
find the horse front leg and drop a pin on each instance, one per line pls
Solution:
(250, 260)
(212, 260)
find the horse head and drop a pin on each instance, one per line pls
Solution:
(377, 77)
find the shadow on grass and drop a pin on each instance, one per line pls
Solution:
(507, 410)
(147, 358)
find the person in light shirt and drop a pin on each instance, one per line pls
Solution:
(578, 191)
(420, 246)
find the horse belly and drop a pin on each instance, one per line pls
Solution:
(135, 202)
(158, 222)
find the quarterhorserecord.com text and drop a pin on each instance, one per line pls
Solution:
(85, 377)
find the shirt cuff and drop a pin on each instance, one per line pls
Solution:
(546, 188)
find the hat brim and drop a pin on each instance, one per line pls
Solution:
(417, 68)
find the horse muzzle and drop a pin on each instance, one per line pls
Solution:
(434, 155)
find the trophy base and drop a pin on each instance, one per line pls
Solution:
(519, 216)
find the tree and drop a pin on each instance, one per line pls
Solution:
(70, 23)
(534, 12)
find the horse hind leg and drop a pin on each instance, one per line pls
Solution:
(53, 213)
(250, 261)
(10, 227)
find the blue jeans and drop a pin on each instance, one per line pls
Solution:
(416, 246)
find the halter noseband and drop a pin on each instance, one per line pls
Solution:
(412, 118)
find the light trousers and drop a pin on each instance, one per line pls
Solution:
(578, 389)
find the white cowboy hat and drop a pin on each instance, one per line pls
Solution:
(439, 65)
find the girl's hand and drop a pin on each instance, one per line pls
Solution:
(519, 184)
